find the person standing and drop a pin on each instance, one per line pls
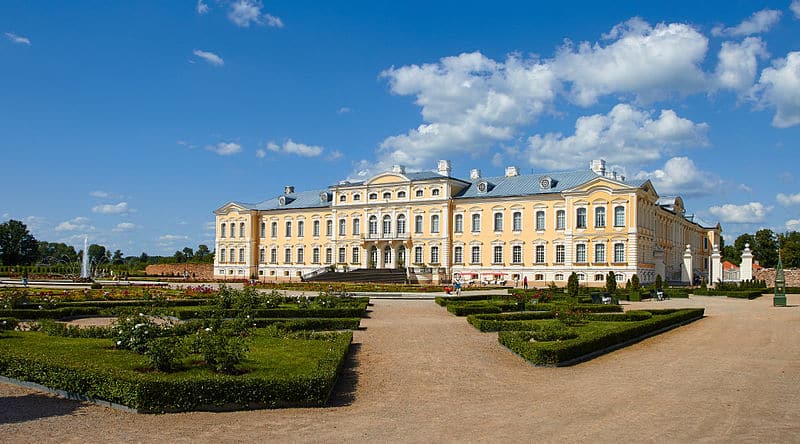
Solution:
(525, 282)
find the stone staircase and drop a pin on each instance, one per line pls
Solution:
(371, 275)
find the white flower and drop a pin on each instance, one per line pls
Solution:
(141, 314)
(138, 326)
(119, 343)
(208, 328)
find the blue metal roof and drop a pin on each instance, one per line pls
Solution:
(527, 184)
(303, 199)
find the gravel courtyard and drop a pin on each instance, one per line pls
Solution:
(423, 375)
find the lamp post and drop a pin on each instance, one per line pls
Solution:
(779, 300)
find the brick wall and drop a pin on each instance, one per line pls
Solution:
(768, 275)
(196, 271)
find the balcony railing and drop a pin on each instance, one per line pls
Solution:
(386, 236)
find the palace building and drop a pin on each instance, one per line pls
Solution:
(438, 228)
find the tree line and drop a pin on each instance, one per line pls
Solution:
(765, 244)
(19, 247)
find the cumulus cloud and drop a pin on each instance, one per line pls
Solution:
(201, 7)
(76, 224)
(793, 225)
(779, 87)
(260, 153)
(343, 110)
(124, 226)
(741, 214)
(759, 22)
(334, 155)
(299, 149)
(121, 207)
(211, 58)
(681, 176)
(225, 148)
(795, 7)
(18, 39)
(647, 61)
(243, 13)
(98, 193)
(738, 63)
(172, 237)
(625, 135)
(788, 199)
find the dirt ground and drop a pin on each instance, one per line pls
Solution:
(420, 374)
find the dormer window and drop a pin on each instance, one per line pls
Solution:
(323, 197)
(545, 183)
(282, 200)
(483, 186)
(373, 196)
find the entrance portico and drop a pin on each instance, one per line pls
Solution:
(385, 254)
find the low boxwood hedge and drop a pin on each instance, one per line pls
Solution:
(739, 294)
(316, 324)
(595, 337)
(206, 312)
(52, 313)
(8, 323)
(444, 300)
(91, 368)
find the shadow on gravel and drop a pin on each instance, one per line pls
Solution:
(34, 406)
(344, 392)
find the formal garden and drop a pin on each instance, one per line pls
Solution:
(557, 327)
(180, 350)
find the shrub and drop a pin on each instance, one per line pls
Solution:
(635, 284)
(96, 286)
(222, 352)
(134, 333)
(611, 282)
(164, 354)
(659, 282)
(8, 323)
(573, 285)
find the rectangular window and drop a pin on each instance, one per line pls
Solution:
(273, 230)
(231, 255)
(342, 227)
(458, 224)
(580, 253)
(329, 228)
(356, 227)
(516, 254)
(417, 255)
(435, 223)
(476, 223)
(619, 216)
(301, 256)
(262, 256)
(287, 256)
(580, 218)
(475, 255)
(273, 256)
(288, 228)
(599, 253)
(599, 217)
(241, 255)
(458, 255)
(315, 228)
(222, 255)
(498, 221)
(329, 255)
(356, 255)
(418, 224)
(560, 255)
(263, 232)
(561, 219)
(301, 228)
(517, 221)
(540, 254)
(342, 254)
(434, 255)
(540, 220)
(315, 255)
(497, 257)
(619, 253)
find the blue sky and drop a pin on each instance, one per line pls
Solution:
(130, 122)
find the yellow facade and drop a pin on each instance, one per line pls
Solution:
(538, 228)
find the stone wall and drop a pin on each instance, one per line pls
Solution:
(196, 271)
(768, 275)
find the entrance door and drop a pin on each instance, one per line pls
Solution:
(387, 257)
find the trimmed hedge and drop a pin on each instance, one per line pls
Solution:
(592, 338)
(739, 294)
(206, 312)
(52, 313)
(8, 323)
(154, 392)
(443, 301)
(632, 315)
(316, 324)
(590, 308)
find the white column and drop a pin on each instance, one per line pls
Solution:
(687, 267)
(746, 269)
(716, 266)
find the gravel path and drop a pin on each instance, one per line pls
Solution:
(423, 375)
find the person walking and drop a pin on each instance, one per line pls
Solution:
(457, 287)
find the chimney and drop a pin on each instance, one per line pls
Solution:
(288, 189)
(512, 171)
(599, 166)
(444, 168)
(474, 174)
(398, 169)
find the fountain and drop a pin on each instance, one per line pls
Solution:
(85, 262)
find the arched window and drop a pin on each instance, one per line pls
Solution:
(580, 218)
(387, 225)
(435, 223)
(315, 228)
(288, 228)
(418, 193)
(516, 221)
(329, 228)
(401, 194)
(418, 224)
(401, 224)
(373, 225)
(559, 277)
(435, 192)
(233, 229)
(387, 256)
(343, 198)
(232, 255)
(356, 226)
(476, 223)
(458, 223)
(599, 277)
(373, 196)
(342, 227)
(387, 195)
(222, 228)
(498, 221)
(600, 217)
(619, 216)
(356, 197)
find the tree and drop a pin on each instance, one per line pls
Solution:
(659, 282)
(635, 285)
(611, 282)
(53, 253)
(144, 258)
(188, 253)
(17, 245)
(766, 248)
(97, 254)
(116, 259)
(790, 249)
(203, 254)
(572, 285)
(179, 257)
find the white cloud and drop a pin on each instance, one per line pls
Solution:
(738, 63)
(273, 21)
(779, 87)
(741, 214)
(334, 155)
(100, 194)
(172, 237)
(225, 148)
(649, 62)
(123, 226)
(795, 7)
(209, 57)
(18, 38)
(343, 110)
(76, 224)
(299, 149)
(625, 135)
(202, 7)
(681, 176)
(121, 207)
(260, 153)
(788, 199)
(759, 22)
(793, 225)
